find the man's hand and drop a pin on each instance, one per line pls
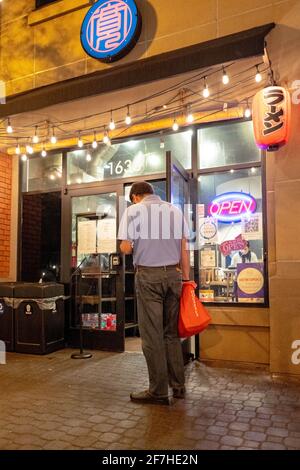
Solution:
(126, 247)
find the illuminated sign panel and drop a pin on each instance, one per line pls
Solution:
(111, 29)
(232, 207)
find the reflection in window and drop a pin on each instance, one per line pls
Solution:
(230, 230)
(41, 237)
(40, 174)
(227, 144)
(128, 159)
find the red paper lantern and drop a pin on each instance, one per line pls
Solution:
(271, 113)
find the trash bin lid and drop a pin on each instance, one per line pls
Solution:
(31, 290)
(7, 289)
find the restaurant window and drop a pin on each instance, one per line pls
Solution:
(42, 174)
(230, 216)
(136, 157)
(227, 144)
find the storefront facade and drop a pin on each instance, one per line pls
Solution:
(218, 151)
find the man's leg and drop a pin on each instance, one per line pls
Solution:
(149, 293)
(172, 341)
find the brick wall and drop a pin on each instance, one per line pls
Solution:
(5, 213)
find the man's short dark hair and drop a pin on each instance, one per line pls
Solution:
(140, 189)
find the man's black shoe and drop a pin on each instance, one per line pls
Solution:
(179, 392)
(147, 398)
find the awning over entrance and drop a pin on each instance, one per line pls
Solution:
(154, 91)
(245, 44)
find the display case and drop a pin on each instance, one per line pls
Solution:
(97, 303)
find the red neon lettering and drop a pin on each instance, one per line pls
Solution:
(235, 207)
(225, 206)
(215, 212)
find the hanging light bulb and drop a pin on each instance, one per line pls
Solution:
(112, 124)
(95, 143)
(106, 139)
(18, 149)
(88, 157)
(189, 117)
(43, 152)
(175, 126)
(35, 138)
(205, 89)
(29, 149)
(24, 157)
(247, 112)
(128, 118)
(258, 77)
(225, 78)
(80, 141)
(53, 137)
(162, 144)
(9, 128)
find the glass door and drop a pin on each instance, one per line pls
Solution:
(178, 193)
(96, 287)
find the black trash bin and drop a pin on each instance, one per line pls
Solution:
(7, 315)
(39, 318)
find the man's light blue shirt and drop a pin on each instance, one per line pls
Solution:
(156, 229)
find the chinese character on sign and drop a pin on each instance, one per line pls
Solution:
(110, 26)
(273, 118)
(110, 29)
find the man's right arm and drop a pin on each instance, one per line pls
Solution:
(185, 260)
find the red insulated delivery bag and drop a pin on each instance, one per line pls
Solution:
(193, 316)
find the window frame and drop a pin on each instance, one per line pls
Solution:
(223, 169)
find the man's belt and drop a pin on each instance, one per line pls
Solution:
(170, 266)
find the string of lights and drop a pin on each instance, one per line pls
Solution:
(188, 96)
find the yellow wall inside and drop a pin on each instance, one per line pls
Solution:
(41, 47)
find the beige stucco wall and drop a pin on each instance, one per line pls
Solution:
(42, 47)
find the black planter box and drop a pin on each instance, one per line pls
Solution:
(39, 330)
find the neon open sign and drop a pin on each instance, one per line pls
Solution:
(231, 207)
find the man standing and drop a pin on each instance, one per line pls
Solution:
(155, 233)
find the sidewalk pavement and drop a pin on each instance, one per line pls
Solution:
(54, 402)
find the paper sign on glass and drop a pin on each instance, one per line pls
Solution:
(107, 241)
(87, 237)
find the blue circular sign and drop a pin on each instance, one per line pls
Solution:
(110, 29)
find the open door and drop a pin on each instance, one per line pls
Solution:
(178, 193)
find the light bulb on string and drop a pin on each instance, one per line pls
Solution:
(162, 143)
(35, 138)
(225, 78)
(9, 128)
(205, 92)
(29, 149)
(24, 157)
(112, 124)
(247, 113)
(189, 117)
(43, 152)
(88, 157)
(95, 143)
(128, 118)
(53, 139)
(258, 77)
(106, 139)
(175, 125)
(18, 149)
(80, 141)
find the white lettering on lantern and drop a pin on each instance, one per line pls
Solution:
(296, 353)
(296, 93)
